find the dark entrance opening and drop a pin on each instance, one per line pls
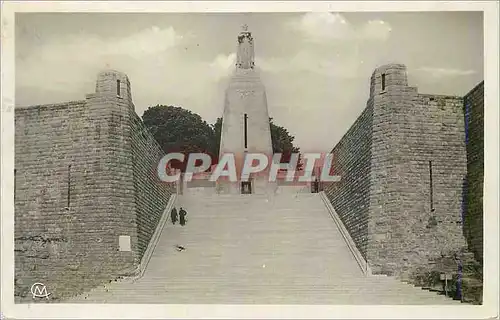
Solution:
(246, 187)
(315, 186)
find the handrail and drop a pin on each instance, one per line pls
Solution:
(156, 237)
(363, 264)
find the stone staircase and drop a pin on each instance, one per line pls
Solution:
(254, 249)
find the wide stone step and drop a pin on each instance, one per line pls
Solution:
(221, 288)
(256, 249)
(268, 298)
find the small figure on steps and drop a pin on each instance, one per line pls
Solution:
(173, 215)
(182, 216)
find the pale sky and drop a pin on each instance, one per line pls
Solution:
(316, 66)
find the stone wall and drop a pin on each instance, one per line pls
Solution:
(411, 221)
(473, 200)
(352, 162)
(425, 171)
(150, 192)
(76, 192)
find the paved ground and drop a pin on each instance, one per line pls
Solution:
(257, 250)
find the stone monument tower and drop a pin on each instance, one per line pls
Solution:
(245, 124)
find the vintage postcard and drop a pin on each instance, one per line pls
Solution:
(257, 160)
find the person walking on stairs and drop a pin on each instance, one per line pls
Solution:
(182, 216)
(173, 215)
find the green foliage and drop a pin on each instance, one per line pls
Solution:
(180, 130)
(217, 128)
(282, 142)
(281, 139)
(466, 282)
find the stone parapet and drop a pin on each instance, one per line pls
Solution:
(87, 199)
(402, 165)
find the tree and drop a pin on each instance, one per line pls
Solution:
(282, 141)
(217, 128)
(180, 130)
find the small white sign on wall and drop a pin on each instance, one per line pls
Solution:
(124, 242)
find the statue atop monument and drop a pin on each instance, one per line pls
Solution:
(245, 122)
(245, 51)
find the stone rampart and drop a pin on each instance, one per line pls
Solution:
(473, 200)
(402, 166)
(86, 198)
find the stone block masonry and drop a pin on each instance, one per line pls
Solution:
(150, 193)
(84, 185)
(473, 195)
(352, 162)
(402, 164)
